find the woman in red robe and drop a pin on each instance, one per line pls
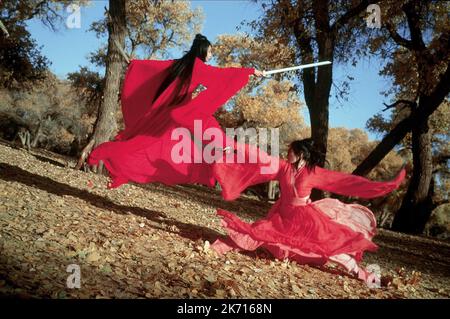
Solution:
(157, 98)
(316, 232)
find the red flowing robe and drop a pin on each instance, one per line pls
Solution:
(296, 228)
(142, 151)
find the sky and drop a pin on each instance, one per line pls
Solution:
(68, 49)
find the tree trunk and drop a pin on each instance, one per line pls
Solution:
(37, 135)
(319, 114)
(106, 123)
(319, 107)
(417, 204)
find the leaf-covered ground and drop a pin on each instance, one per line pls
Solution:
(152, 241)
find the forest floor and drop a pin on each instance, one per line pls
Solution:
(152, 241)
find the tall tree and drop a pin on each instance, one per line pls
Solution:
(429, 57)
(318, 31)
(106, 123)
(428, 49)
(439, 123)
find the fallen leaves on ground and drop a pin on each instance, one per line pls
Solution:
(154, 241)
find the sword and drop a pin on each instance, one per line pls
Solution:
(293, 68)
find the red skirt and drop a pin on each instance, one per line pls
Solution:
(308, 234)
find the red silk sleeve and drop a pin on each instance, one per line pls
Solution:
(141, 81)
(235, 177)
(353, 185)
(221, 84)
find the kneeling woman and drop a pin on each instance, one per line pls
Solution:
(296, 228)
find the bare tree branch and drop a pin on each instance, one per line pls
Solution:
(2, 26)
(36, 10)
(411, 104)
(397, 37)
(412, 11)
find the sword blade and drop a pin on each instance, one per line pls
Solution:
(299, 67)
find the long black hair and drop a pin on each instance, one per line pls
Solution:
(183, 67)
(305, 150)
